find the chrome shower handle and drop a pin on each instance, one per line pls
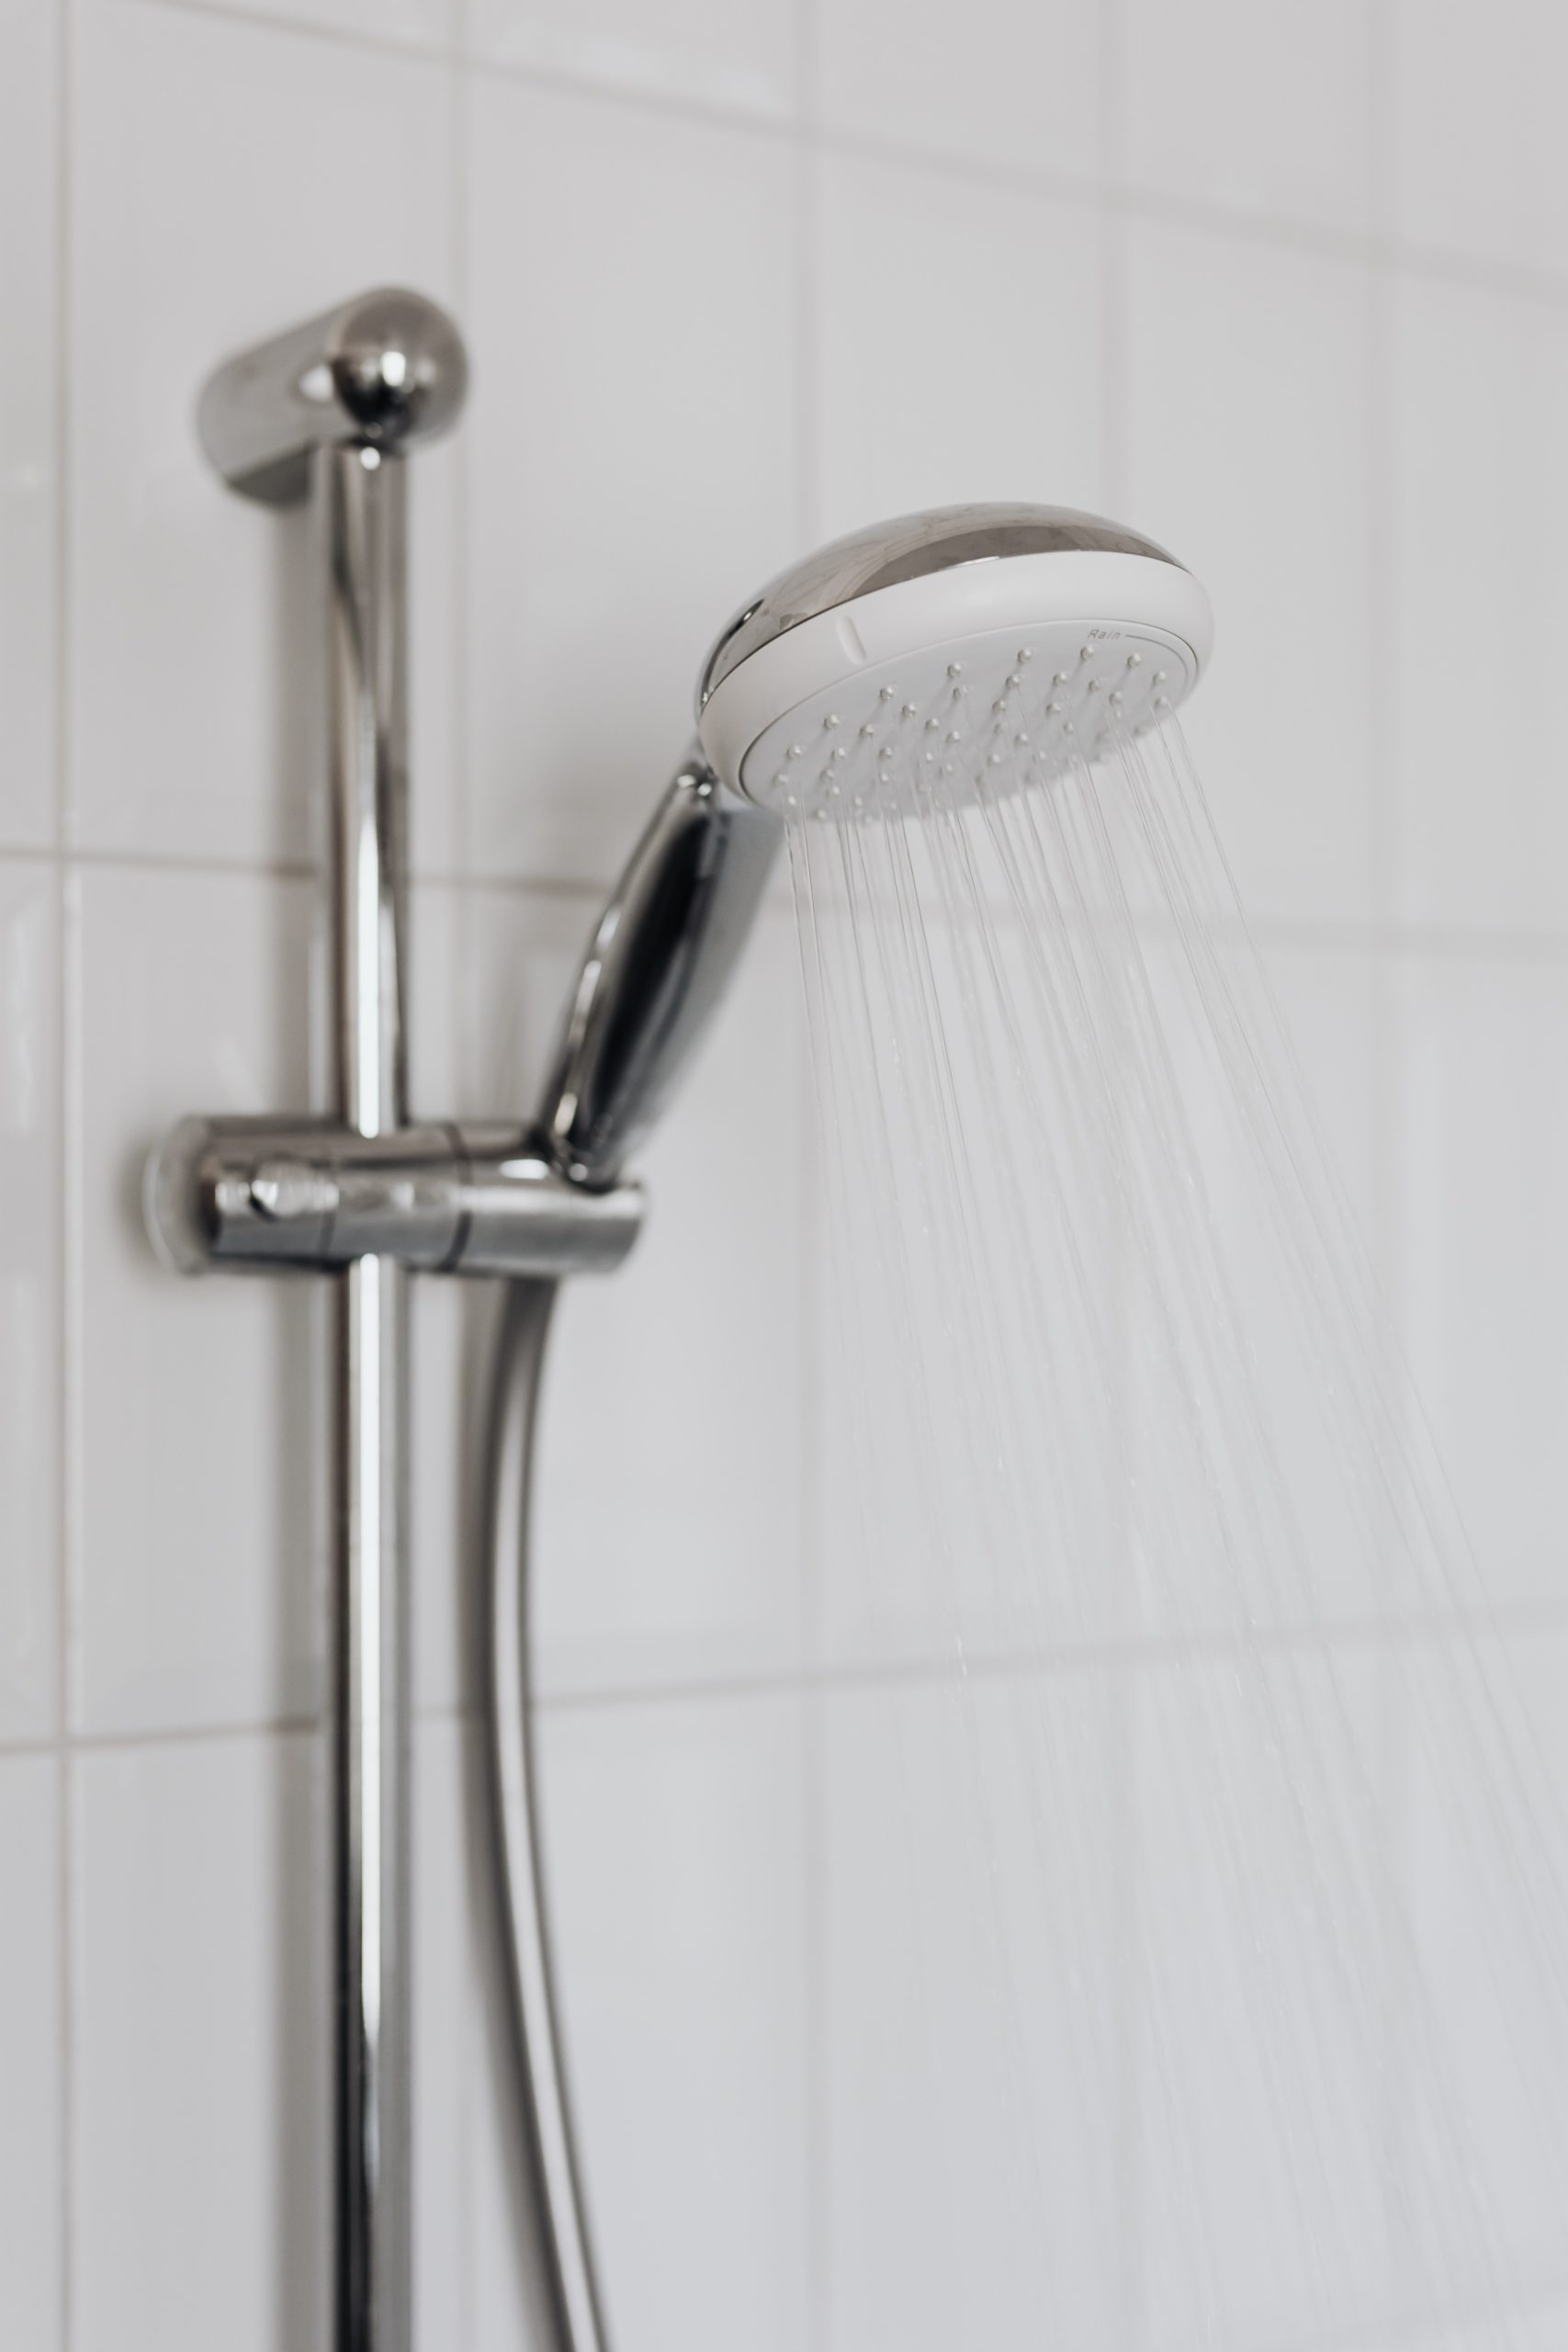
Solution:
(657, 967)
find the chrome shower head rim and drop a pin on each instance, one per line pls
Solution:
(986, 647)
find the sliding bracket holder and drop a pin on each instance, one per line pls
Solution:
(313, 1195)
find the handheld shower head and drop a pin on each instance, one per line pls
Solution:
(988, 646)
(992, 644)
(997, 641)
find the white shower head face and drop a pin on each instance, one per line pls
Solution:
(973, 649)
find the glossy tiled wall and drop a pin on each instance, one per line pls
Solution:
(1286, 282)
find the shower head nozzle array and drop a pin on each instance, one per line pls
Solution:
(976, 648)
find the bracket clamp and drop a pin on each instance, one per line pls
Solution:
(315, 1195)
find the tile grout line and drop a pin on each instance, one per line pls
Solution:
(265, 19)
(1395, 936)
(814, 1931)
(1134, 1654)
(1382, 510)
(76, 859)
(1137, 1654)
(816, 1946)
(274, 869)
(461, 639)
(1125, 2239)
(66, 1137)
(1387, 847)
(1115, 464)
(129, 1743)
(1126, 2092)
(808, 288)
(1113, 336)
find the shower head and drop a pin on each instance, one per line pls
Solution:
(980, 646)
(984, 646)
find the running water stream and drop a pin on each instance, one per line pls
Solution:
(1253, 1847)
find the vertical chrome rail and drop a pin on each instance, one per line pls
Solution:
(326, 413)
(360, 497)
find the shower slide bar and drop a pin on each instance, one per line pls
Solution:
(325, 417)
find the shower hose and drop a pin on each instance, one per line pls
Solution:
(558, 2276)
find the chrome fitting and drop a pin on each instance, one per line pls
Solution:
(313, 1195)
(381, 372)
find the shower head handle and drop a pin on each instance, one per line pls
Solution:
(383, 371)
(656, 969)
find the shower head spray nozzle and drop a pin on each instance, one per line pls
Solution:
(980, 648)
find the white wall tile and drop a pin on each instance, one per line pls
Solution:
(951, 1325)
(959, 345)
(30, 165)
(1481, 487)
(30, 1293)
(201, 1400)
(472, 2288)
(737, 53)
(444, 2001)
(1000, 85)
(971, 1987)
(1479, 163)
(200, 2087)
(31, 2046)
(1250, 459)
(1485, 1275)
(1483, 2009)
(1260, 104)
(685, 2030)
(1258, 1497)
(683, 1369)
(1265, 1830)
(190, 607)
(499, 2288)
(1331, 1003)
(639, 487)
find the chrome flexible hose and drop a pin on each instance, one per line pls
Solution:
(557, 2251)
